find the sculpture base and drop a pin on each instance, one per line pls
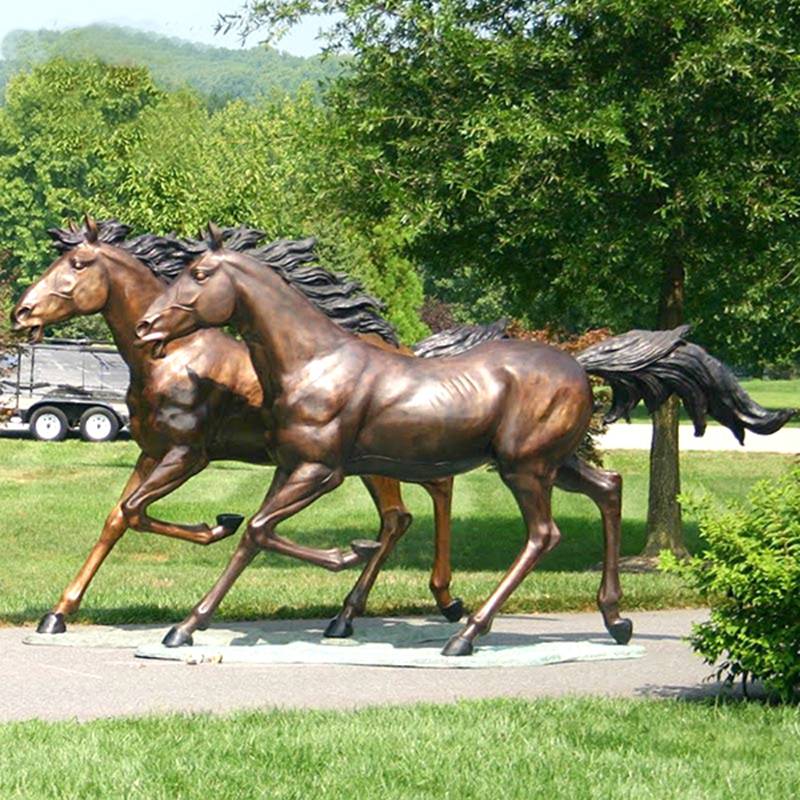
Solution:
(389, 642)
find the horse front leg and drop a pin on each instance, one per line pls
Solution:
(113, 529)
(395, 521)
(288, 494)
(173, 470)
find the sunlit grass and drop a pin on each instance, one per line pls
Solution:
(571, 749)
(54, 498)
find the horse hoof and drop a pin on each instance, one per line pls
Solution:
(458, 646)
(177, 637)
(454, 611)
(230, 522)
(338, 628)
(365, 548)
(621, 630)
(52, 623)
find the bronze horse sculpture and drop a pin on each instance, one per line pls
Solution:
(339, 407)
(202, 401)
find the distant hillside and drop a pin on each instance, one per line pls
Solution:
(219, 73)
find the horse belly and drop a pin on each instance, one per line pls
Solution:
(435, 430)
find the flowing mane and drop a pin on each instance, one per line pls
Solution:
(340, 298)
(110, 231)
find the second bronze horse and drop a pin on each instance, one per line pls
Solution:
(339, 407)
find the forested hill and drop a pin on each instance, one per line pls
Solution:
(218, 73)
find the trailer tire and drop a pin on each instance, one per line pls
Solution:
(98, 424)
(49, 424)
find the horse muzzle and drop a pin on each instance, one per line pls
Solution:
(23, 319)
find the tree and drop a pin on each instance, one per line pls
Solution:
(620, 162)
(218, 74)
(64, 128)
(84, 136)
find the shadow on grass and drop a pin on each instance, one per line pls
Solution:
(491, 543)
(149, 614)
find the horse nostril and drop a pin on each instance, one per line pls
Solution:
(22, 313)
(142, 328)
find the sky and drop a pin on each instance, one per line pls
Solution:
(187, 19)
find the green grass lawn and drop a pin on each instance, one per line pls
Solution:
(572, 749)
(54, 498)
(770, 394)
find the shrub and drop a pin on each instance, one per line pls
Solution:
(438, 316)
(750, 577)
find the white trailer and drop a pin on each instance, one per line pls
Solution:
(60, 385)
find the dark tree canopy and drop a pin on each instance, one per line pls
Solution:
(623, 162)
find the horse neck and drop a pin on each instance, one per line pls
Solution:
(282, 328)
(132, 287)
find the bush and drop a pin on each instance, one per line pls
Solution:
(750, 577)
(438, 316)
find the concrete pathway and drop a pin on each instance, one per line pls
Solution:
(637, 435)
(50, 682)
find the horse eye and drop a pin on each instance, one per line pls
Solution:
(200, 276)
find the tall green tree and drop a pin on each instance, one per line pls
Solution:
(622, 162)
(85, 136)
(64, 130)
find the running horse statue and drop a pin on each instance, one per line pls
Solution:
(338, 406)
(202, 401)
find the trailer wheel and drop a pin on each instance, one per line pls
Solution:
(49, 424)
(98, 425)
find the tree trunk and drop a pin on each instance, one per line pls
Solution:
(664, 527)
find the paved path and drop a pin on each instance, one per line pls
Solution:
(73, 682)
(637, 435)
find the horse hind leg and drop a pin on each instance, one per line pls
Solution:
(441, 492)
(604, 488)
(395, 521)
(532, 491)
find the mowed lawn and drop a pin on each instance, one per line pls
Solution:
(572, 749)
(54, 498)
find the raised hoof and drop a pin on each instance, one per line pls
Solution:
(454, 611)
(339, 628)
(52, 623)
(365, 548)
(458, 646)
(621, 630)
(177, 637)
(230, 522)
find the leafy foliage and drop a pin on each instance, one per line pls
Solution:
(79, 136)
(588, 155)
(66, 129)
(219, 74)
(750, 576)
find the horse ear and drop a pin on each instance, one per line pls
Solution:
(215, 236)
(91, 229)
(73, 226)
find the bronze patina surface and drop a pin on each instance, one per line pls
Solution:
(201, 402)
(339, 407)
